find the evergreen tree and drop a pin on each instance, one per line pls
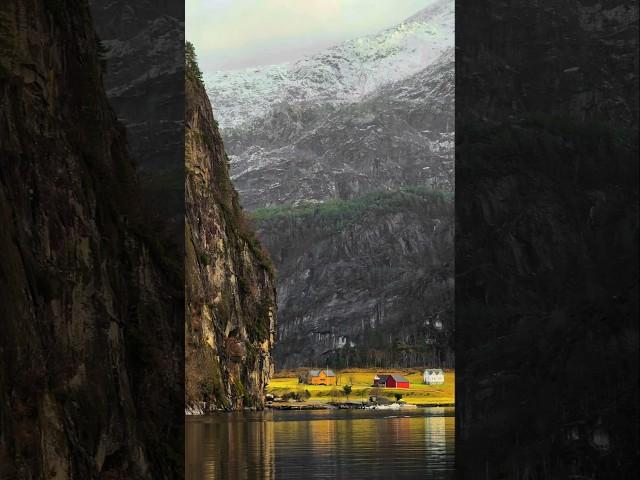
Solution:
(191, 61)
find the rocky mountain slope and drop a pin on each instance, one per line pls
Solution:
(546, 244)
(364, 122)
(142, 45)
(90, 303)
(230, 288)
(399, 135)
(366, 282)
(372, 113)
(343, 73)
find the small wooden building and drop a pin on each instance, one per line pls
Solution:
(380, 381)
(390, 381)
(433, 376)
(321, 377)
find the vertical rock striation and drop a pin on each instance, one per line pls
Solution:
(89, 303)
(230, 286)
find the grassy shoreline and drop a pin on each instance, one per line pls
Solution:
(360, 380)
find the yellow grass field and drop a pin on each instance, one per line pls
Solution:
(361, 380)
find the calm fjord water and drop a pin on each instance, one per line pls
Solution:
(323, 444)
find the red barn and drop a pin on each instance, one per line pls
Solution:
(397, 381)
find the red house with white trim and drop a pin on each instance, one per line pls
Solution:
(390, 381)
(397, 381)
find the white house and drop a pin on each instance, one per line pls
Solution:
(433, 376)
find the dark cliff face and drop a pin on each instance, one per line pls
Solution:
(91, 355)
(143, 48)
(546, 240)
(230, 289)
(366, 282)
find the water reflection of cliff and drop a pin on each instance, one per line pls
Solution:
(231, 450)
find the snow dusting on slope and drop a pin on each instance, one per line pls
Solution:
(344, 73)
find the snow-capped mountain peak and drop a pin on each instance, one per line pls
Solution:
(343, 73)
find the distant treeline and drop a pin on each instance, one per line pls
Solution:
(381, 200)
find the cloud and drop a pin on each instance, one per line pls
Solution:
(228, 33)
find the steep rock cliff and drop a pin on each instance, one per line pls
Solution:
(364, 282)
(230, 289)
(90, 305)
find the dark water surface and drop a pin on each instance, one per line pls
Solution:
(327, 444)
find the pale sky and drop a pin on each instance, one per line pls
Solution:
(232, 34)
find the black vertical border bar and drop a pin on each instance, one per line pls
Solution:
(144, 56)
(546, 239)
(91, 294)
